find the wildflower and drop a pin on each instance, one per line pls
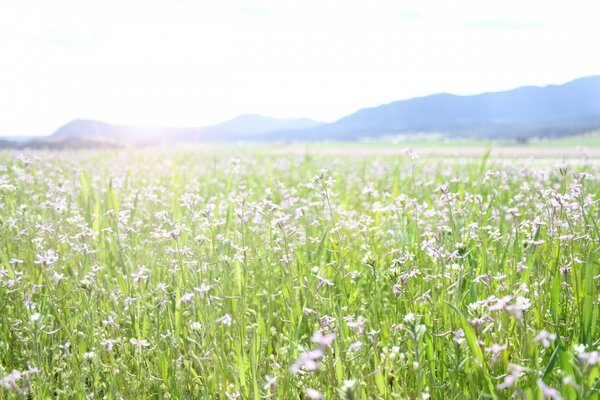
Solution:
(225, 320)
(187, 298)
(140, 275)
(358, 324)
(11, 380)
(570, 380)
(495, 349)
(516, 310)
(139, 343)
(515, 372)
(354, 347)
(163, 287)
(579, 348)
(270, 383)
(56, 277)
(111, 321)
(323, 282)
(307, 361)
(313, 394)
(323, 340)
(47, 258)
(108, 344)
(592, 358)
(195, 326)
(548, 392)
(202, 290)
(545, 338)
(458, 336)
(349, 383)
(308, 311)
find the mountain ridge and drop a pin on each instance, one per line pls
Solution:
(520, 113)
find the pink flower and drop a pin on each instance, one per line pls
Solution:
(323, 340)
(225, 320)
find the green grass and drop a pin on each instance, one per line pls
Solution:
(435, 276)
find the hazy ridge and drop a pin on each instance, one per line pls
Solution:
(521, 113)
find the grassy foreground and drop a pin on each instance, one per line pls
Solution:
(177, 275)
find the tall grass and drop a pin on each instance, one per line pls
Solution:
(178, 274)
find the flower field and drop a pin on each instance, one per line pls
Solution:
(180, 274)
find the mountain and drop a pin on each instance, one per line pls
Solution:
(523, 112)
(252, 126)
(97, 129)
(242, 127)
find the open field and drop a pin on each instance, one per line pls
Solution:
(356, 271)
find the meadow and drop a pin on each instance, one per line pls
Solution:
(187, 273)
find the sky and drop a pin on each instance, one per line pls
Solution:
(195, 63)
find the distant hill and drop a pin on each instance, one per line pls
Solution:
(252, 126)
(242, 127)
(520, 113)
(91, 128)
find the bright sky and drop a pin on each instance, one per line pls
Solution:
(197, 62)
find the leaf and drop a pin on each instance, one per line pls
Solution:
(471, 338)
(551, 362)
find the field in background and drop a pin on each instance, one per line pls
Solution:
(579, 147)
(338, 271)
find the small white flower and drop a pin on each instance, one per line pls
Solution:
(11, 380)
(270, 383)
(140, 274)
(47, 258)
(323, 340)
(225, 320)
(108, 344)
(187, 298)
(195, 326)
(139, 343)
(313, 394)
(545, 338)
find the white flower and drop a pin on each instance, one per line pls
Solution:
(579, 348)
(545, 338)
(270, 383)
(410, 317)
(349, 384)
(590, 358)
(139, 343)
(108, 344)
(10, 381)
(358, 324)
(195, 326)
(202, 290)
(187, 298)
(307, 361)
(47, 258)
(225, 320)
(140, 275)
(323, 340)
(56, 277)
(313, 394)
(548, 392)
